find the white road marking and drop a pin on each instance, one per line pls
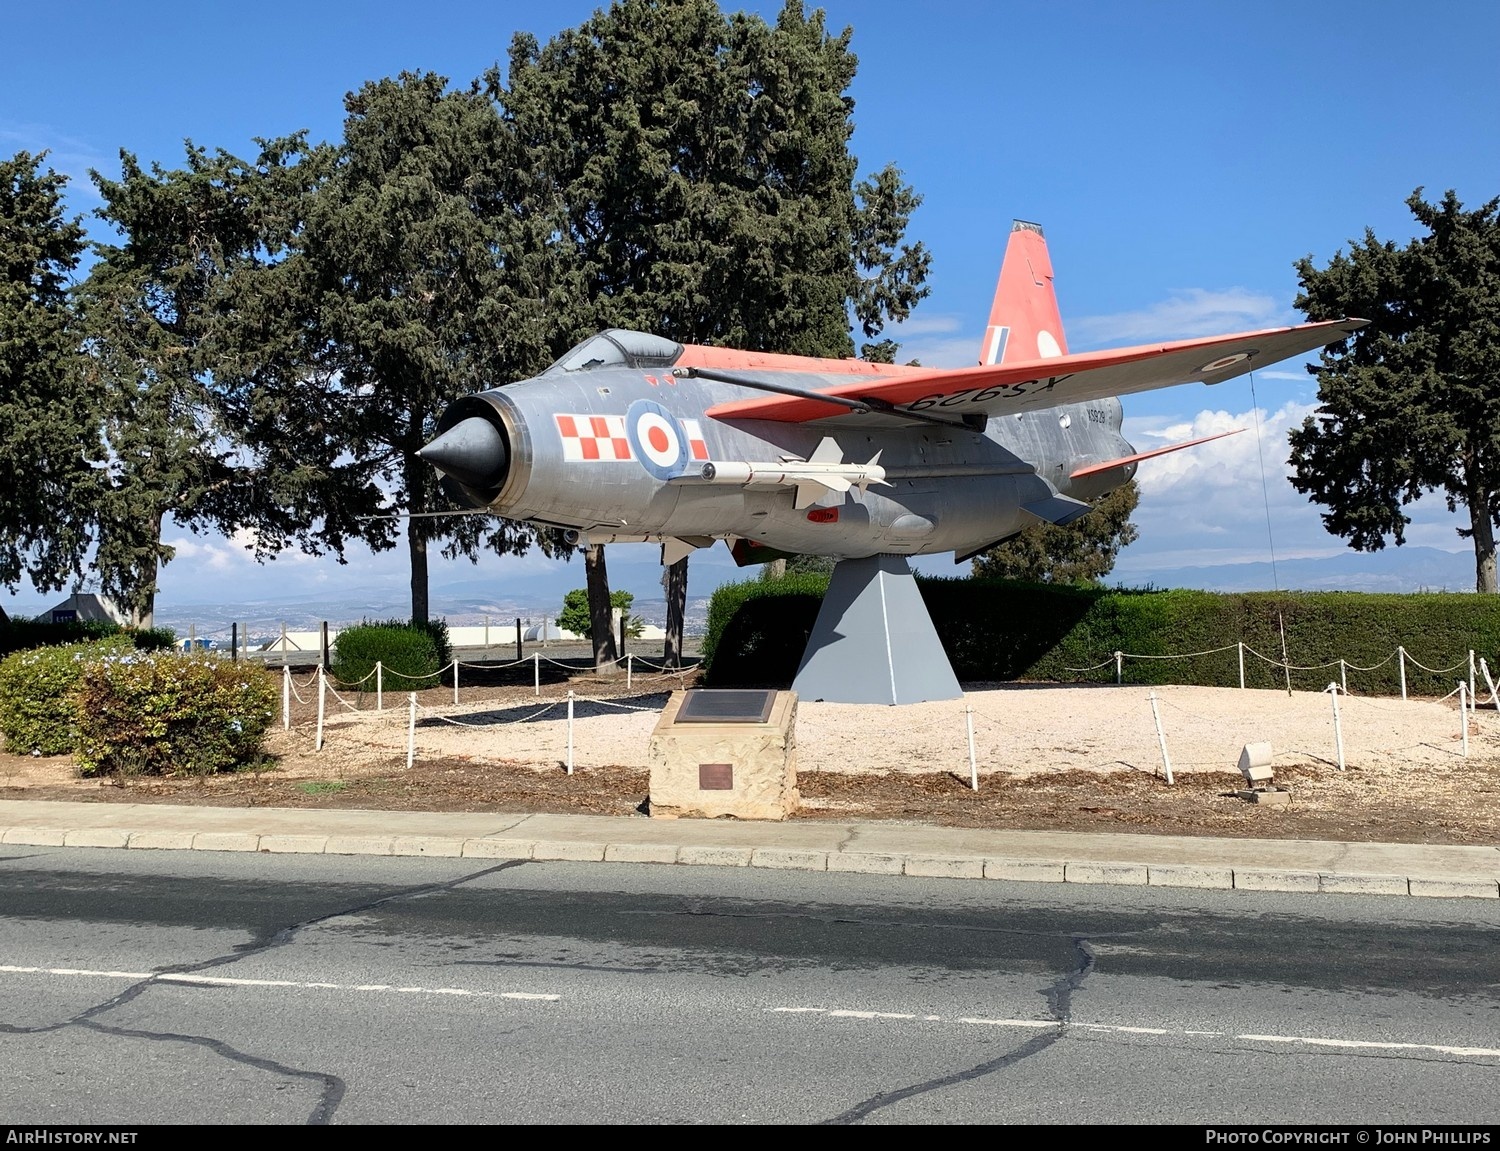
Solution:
(229, 981)
(1118, 1029)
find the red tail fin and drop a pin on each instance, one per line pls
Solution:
(1024, 321)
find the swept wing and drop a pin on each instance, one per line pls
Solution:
(1006, 388)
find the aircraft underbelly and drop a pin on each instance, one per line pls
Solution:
(906, 519)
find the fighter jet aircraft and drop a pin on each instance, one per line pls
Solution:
(632, 437)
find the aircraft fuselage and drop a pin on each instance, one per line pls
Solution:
(595, 450)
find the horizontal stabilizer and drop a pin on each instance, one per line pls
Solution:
(1094, 469)
(1057, 510)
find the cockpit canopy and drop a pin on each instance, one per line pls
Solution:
(618, 348)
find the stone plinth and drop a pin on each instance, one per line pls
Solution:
(707, 770)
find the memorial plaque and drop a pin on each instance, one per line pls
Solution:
(725, 753)
(706, 705)
(716, 777)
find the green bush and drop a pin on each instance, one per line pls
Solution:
(410, 655)
(577, 619)
(1002, 630)
(152, 638)
(159, 713)
(37, 711)
(757, 629)
(22, 634)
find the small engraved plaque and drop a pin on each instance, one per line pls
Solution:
(716, 777)
(708, 705)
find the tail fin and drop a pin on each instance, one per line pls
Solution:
(1024, 321)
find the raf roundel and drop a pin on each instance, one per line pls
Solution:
(657, 439)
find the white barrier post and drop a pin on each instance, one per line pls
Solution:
(1119, 666)
(1343, 678)
(379, 687)
(570, 733)
(286, 698)
(1471, 678)
(629, 669)
(411, 728)
(1161, 738)
(455, 682)
(1338, 729)
(1401, 662)
(1463, 716)
(536, 671)
(1490, 680)
(322, 692)
(1242, 664)
(973, 761)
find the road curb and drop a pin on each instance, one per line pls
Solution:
(926, 864)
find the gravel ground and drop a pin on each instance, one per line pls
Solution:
(1081, 757)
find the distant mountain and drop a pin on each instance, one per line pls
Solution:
(1403, 569)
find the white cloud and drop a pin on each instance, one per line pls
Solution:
(1186, 313)
(66, 155)
(938, 341)
(1211, 504)
(206, 556)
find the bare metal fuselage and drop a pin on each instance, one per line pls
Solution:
(945, 487)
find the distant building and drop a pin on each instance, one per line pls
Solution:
(86, 605)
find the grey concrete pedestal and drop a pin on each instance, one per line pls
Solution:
(874, 641)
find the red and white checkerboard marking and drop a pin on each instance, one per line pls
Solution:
(593, 437)
(697, 446)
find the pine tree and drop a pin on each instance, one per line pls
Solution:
(1407, 404)
(704, 189)
(166, 316)
(419, 267)
(49, 437)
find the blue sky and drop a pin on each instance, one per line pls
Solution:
(1180, 156)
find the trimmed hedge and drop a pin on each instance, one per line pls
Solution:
(38, 715)
(411, 655)
(159, 713)
(22, 634)
(1002, 630)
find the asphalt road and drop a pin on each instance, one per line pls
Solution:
(142, 987)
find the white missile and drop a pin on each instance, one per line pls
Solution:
(825, 471)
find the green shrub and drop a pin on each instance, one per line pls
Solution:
(409, 655)
(37, 711)
(159, 713)
(757, 629)
(23, 634)
(1003, 630)
(152, 638)
(435, 630)
(577, 618)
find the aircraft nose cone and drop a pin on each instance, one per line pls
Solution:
(472, 451)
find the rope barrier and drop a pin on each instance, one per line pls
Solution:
(436, 715)
(347, 705)
(1437, 670)
(1343, 665)
(1185, 655)
(1096, 666)
(611, 703)
(1265, 658)
(489, 666)
(1373, 666)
